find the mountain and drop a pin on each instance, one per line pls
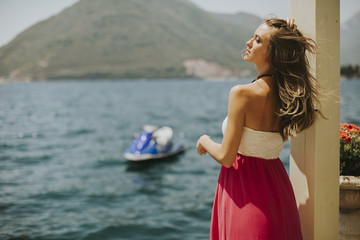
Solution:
(127, 39)
(349, 41)
(241, 20)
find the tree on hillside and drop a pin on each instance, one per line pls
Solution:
(350, 71)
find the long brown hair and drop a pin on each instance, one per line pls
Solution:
(297, 88)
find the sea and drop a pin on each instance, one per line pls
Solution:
(62, 170)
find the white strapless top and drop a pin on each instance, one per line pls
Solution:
(260, 144)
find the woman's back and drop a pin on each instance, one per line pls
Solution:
(264, 106)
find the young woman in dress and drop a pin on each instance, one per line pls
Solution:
(254, 198)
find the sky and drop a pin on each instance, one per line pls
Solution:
(17, 15)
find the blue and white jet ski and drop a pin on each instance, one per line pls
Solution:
(153, 143)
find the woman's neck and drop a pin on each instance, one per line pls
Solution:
(264, 72)
(263, 69)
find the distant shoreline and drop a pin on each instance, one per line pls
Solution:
(342, 77)
(17, 81)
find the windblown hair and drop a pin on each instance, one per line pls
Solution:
(296, 87)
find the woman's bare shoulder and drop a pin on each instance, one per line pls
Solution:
(241, 98)
(243, 91)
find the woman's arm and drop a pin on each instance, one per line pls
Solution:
(225, 153)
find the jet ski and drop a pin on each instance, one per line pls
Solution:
(153, 143)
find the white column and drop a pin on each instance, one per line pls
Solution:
(314, 160)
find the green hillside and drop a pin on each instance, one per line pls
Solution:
(241, 20)
(123, 39)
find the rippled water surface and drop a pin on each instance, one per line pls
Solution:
(62, 173)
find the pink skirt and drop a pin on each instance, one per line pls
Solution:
(254, 199)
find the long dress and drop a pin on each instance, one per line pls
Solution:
(254, 199)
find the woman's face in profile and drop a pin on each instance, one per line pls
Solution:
(257, 46)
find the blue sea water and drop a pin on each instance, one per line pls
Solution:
(62, 171)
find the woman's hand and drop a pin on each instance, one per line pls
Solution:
(199, 147)
(291, 23)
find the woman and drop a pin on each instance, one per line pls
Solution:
(254, 198)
